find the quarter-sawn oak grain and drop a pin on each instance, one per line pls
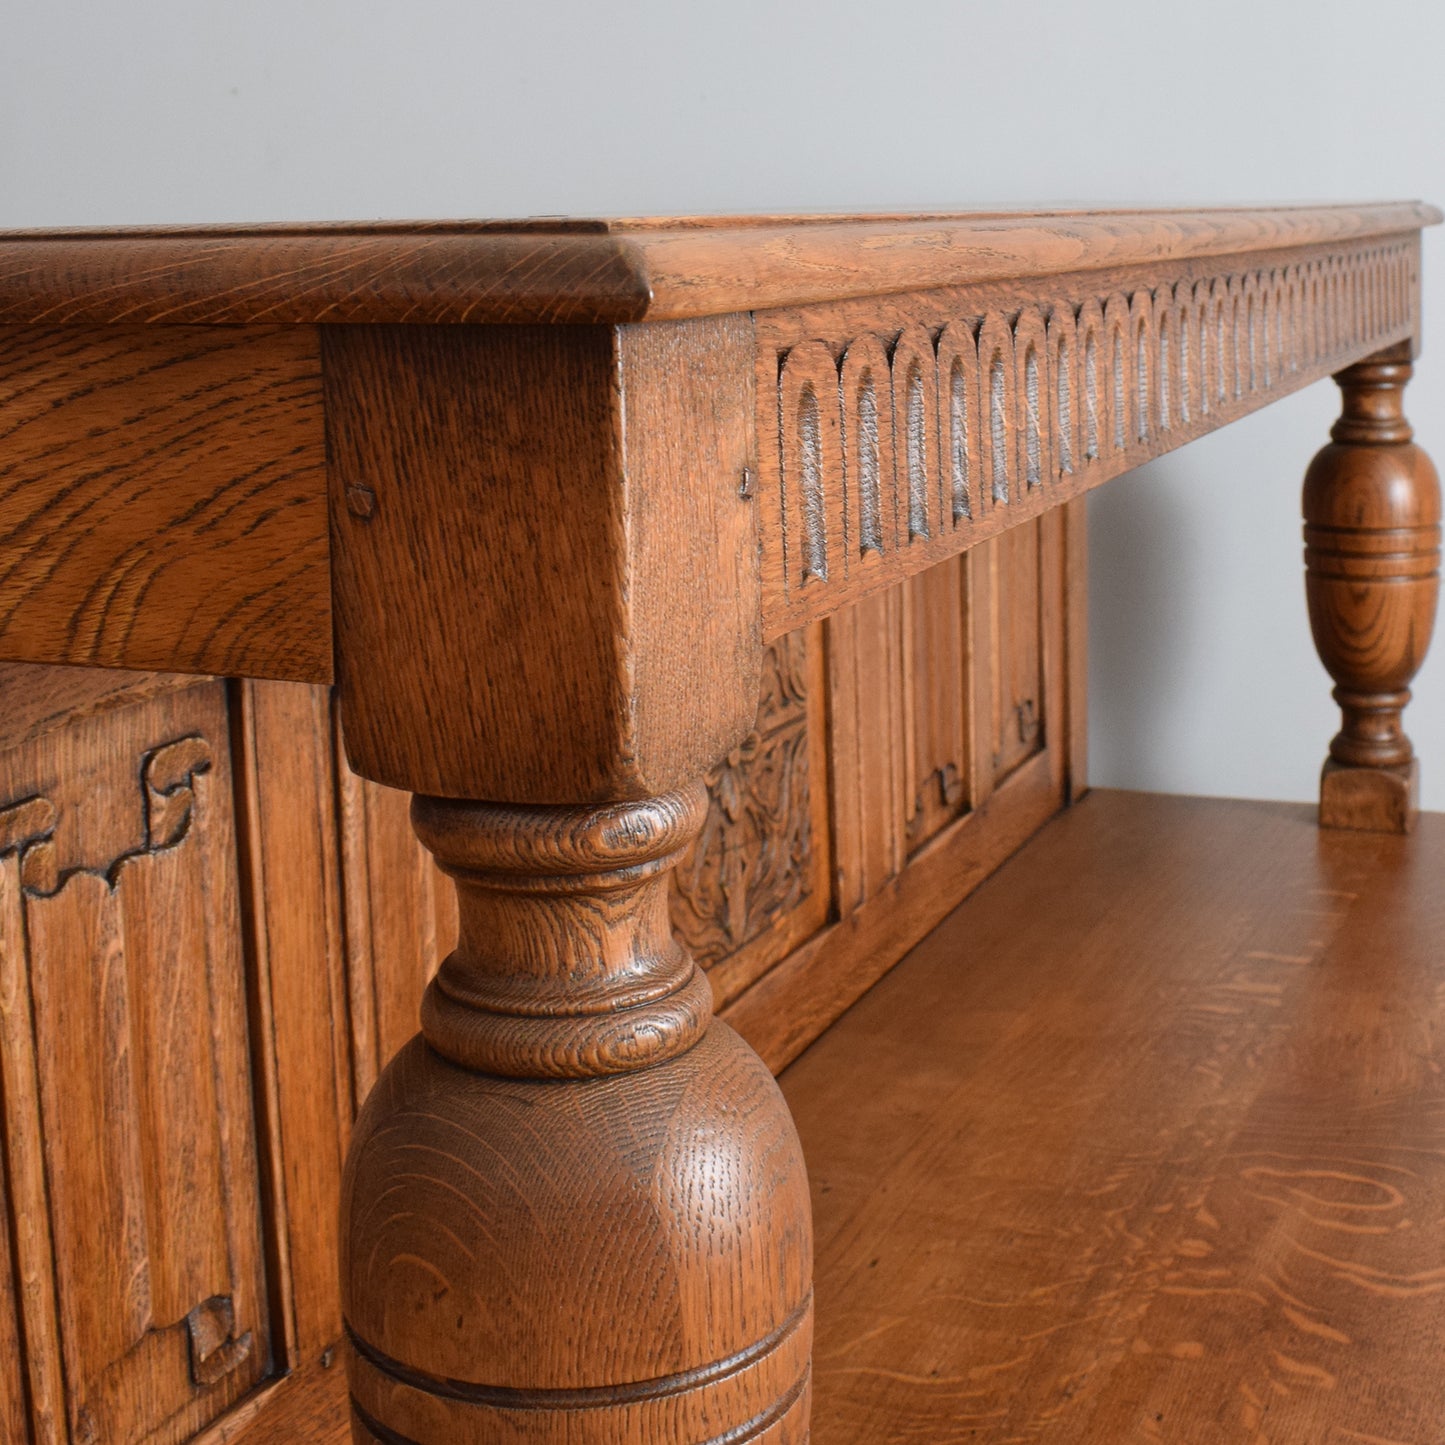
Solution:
(574, 1209)
(587, 271)
(580, 614)
(162, 500)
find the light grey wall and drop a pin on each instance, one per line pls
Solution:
(1204, 679)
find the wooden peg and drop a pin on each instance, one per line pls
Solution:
(1372, 579)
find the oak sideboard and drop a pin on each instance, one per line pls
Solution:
(616, 644)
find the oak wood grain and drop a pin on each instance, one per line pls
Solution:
(588, 271)
(129, 1141)
(545, 565)
(13, 1420)
(1143, 1143)
(1076, 642)
(759, 880)
(162, 500)
(574, 1207)
(308, 1404)
(894, 689)
(544, 545)
(796, 1000)
(401, 919)
(1113, 1169)
(1372, 580)
(36, 700)
(896, 431)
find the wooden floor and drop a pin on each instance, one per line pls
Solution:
(1146, 1142)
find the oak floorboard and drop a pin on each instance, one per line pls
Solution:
(1145, 1142)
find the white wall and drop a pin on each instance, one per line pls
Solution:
(1204, 677)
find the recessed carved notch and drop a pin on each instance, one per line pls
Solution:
(215, 1350)
(27, 828)
(169, 774)
(947, 781)
(1027, 716)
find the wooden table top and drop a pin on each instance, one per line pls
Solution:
(634, 269)
(199, 473)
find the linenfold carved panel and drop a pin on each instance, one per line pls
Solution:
(129, 1144)
(752, 864)
(886, 446)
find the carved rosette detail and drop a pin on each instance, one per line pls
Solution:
(751, 862)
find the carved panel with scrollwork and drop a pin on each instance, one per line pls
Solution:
(129, 1146)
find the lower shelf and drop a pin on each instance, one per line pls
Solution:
(1145, 1142)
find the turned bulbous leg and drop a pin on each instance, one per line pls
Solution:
(576, 1211)
(1372, 570)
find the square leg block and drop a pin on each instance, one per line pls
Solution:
(1370, 800)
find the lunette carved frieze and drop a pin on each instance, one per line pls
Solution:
(908, 433)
